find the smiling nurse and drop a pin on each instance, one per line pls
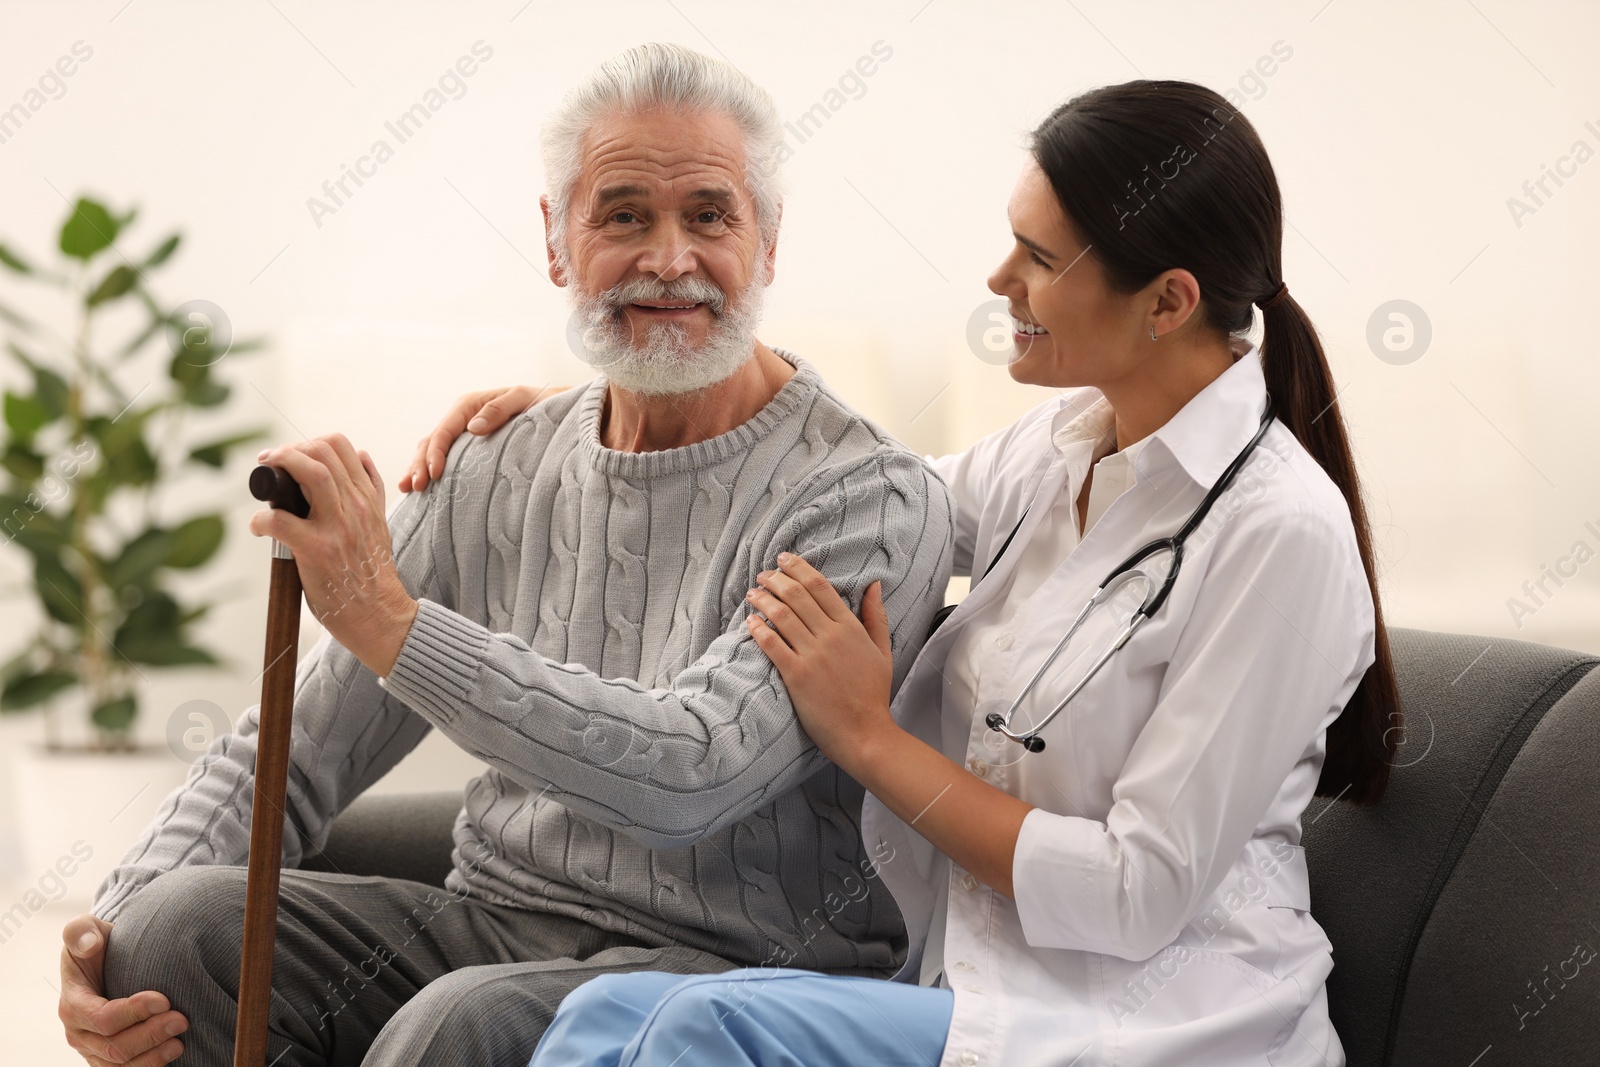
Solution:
(1127, 886)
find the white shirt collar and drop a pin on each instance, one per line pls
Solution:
(1201, 439)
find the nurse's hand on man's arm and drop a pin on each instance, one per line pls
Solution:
(839, 670)
(481, 413)
(817, 643)
(140, 1030)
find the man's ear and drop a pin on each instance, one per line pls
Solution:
(556, 274)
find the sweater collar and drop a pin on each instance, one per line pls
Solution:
(792, 395)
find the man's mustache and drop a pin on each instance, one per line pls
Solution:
(687, 289)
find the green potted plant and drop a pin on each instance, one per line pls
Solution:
(92, 437)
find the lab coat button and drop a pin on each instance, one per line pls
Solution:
(968, 882)
(1004, 641)
(978, 767)
(963, 965)
(969, 1058)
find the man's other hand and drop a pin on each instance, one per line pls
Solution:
(140, 1030)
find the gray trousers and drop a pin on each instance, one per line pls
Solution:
(376, 971)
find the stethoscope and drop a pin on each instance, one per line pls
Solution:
(1114, 582)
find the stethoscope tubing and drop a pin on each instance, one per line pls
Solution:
(1030, 739)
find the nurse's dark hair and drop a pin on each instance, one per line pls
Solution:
(1156, 175)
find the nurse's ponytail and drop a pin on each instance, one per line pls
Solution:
(1361, 741)
(1154, 175)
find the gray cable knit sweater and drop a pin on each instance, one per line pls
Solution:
(581, 632)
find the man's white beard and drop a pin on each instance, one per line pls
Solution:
(663, 361)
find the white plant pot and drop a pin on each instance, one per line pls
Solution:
(78, 812)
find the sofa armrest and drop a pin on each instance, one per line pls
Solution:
(395, 835)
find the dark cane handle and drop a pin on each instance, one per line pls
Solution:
(278, 488)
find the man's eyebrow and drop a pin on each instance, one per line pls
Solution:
(620, 191)
(712, 194)
(1034, 245)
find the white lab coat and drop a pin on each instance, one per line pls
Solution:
(1162, 909)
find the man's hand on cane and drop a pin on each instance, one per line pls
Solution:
(140, 1031)
(343, 551)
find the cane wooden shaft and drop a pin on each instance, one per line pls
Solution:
(266, 816)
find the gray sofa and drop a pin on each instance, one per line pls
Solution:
(1464, 910)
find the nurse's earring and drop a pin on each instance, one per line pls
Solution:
(1152, 333)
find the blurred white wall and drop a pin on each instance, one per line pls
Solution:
(1398, 131)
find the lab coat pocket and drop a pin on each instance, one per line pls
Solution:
(1181, 984)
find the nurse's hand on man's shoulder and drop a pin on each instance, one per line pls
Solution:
(482, 412)
(140, 1030)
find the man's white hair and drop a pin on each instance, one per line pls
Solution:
(668, 76)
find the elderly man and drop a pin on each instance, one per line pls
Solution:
(567, 604)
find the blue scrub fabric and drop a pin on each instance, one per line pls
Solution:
(762, 1017)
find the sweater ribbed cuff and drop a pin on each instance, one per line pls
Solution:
(438, 663)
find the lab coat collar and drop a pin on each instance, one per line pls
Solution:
(1096, 423)
(1201, 439)
(1084, 412)
(1208, 431)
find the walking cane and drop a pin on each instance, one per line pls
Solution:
(278, 489)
